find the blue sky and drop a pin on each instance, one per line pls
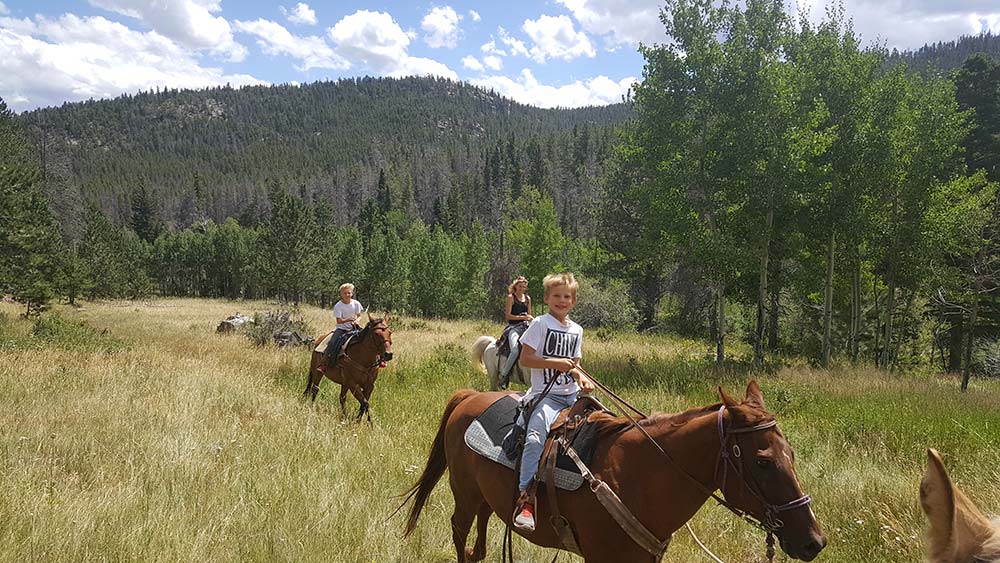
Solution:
(550, 53)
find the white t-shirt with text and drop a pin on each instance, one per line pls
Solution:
(346, 310)
(552, 339)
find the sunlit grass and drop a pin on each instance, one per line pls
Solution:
(185, 445)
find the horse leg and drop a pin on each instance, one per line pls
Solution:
(478, 552)
(461, 523)
(359, 394)
(313, 380)
(368, 390)
(343, 400)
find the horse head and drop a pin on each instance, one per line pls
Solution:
(756, 474)
(381, 333)
(959, 533)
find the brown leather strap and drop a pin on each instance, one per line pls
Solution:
(617, 509)
(562, 527)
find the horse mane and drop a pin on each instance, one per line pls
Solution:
(991, 548)
(365, 332)
(610, 423)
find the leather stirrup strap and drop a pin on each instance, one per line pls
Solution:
(562, 526)
(617, 509)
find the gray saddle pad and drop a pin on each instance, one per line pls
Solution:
(486, 434)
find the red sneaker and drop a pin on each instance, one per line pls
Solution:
(525, 518)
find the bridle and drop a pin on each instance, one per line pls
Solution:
(770, 522)
(381, 357)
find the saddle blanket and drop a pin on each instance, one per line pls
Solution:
(486, 436)
(321, 347)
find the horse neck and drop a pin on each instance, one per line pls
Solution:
(662, 490)
(366, 346)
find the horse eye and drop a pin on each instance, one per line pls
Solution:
(764, 462)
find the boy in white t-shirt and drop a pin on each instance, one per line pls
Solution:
(347, 311)
(551, 347)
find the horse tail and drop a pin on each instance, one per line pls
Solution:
(478, 348)
(436, 464)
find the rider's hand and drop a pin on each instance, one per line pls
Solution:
(567, 364)
(528, 317)
(586, 385)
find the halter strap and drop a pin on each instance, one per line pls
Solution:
(770, 521)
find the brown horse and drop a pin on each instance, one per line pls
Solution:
(358, 366)
(959, 531)
(662, 494)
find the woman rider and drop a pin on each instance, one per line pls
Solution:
(517, 311)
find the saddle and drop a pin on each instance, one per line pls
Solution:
(496, 436)
(503, 343)
(332, 347)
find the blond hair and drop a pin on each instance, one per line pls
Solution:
(344, 286)
(555, 280)
(510, 289)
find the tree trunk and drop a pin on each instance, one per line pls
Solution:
(890, 308)
(970, 337)
(758, 343)
(878, 321)
(772, 329)
(855, 311)
(828, 300)
(720, 337)
(956, 339)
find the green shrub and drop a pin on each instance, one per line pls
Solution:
(604, 305)
(56, 331)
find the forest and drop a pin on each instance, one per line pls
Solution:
(770, 181)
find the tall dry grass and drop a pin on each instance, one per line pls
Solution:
(167, 442)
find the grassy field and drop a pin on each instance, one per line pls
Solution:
(162, 441)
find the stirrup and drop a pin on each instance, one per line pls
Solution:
(521, 522)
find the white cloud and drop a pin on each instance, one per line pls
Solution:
(441, 26)
(47, 62)
(517, 46)
(376, 41)
(300, 14)
(475, 15)
(915, 23)
(189, 22)
(623, 21)
(555, 38)
(492, 61)
(491, 48)
(472, 63)
(597, 91)
(4, 10)
(275, 40)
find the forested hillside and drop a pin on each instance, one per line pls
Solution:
(948, 55)
(783, 186)
(213, 152)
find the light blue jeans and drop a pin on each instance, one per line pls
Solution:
(541, 420)
(515, 351)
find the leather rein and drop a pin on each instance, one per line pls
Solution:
(770, 522)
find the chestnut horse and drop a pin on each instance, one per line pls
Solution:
(357, 368)
(959, 531)
(662, 478)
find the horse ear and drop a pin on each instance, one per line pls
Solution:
(754, 397)
(958, 527)
(726, 399)
(937, 498)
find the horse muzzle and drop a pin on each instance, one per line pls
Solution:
(385, 356)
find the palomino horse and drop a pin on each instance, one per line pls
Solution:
(357, 368)
(484, 352)
(663, 479)
(959, 531)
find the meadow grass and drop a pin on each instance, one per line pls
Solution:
(159, 440)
